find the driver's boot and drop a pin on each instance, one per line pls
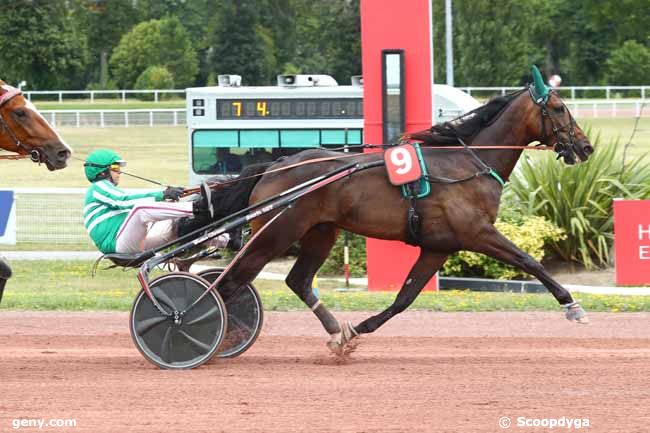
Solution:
(204, 205)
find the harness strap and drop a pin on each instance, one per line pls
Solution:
(413, 224)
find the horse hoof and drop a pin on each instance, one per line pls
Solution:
(583, 320)
(335, 344)
(575, 313)
(340, 341)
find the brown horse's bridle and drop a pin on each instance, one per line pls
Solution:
(32, 153)
(561, 148)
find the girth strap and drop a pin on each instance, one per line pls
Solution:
(413, 224)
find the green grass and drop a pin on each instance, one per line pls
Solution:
(156, 153)
(108, 104)
(57, 285)
(612, 128)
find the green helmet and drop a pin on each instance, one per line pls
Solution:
(99, 162)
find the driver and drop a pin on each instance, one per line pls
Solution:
(118, 222)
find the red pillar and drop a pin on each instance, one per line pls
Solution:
(406, 25)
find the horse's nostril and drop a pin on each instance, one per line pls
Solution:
(63, 154)
(588, 149)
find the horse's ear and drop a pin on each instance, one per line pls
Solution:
(541, 89)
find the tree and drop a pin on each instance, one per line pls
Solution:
(629, 65)
(492, 42)
(40, 44)
(105, 22)
(240, 44)
(195, 15)
(330, 39)
(155, 42)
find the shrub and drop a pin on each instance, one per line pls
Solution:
(579, 199)
(156, 42)
(629, 64)
(530, 233)
(110, 85)
(154, 77)
(334, 263)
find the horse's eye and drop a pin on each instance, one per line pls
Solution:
(560, 110)
(20, 113)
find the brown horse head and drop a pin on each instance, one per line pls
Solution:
(554, 126)
(557, 127)
(24, 130)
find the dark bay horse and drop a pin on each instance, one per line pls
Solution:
(455, 216)
(24, 131)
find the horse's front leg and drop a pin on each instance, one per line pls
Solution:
(424, 268)
(492, 243)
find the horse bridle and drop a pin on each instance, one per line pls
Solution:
(33, 153)
(560, 147)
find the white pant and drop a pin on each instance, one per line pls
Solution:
(150, 225)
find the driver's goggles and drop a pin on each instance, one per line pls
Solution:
(116, 165)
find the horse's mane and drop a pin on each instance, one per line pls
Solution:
(467, 125)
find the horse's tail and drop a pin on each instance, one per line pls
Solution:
(234, 197)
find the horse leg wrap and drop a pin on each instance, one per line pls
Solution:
(330, 324)
(575, 313)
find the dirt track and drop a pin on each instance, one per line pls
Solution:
(421, 372)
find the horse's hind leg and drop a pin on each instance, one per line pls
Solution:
(314, 249)
(424, 268)
(492, 243)
(270, 244)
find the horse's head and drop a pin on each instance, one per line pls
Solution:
(24, 130)
(553, 125)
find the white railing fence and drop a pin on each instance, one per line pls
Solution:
(115, 118)
(178, 117)
(122, 95)
(574, 92)
(571, 92)
(613, 108)
(51, 216)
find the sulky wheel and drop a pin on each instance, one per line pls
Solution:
(245, 316)
(188, 342)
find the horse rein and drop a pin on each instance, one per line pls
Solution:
(32, 153)
(486, 170)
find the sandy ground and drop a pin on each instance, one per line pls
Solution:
(421, 372)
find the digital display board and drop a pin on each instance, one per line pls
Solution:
(298, 108)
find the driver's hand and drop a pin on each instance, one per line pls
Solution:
(173, 193)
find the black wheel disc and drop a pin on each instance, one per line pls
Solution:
(245, 316)
(192, 340)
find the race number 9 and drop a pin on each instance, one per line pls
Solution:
(402, 164)
(401, 159)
